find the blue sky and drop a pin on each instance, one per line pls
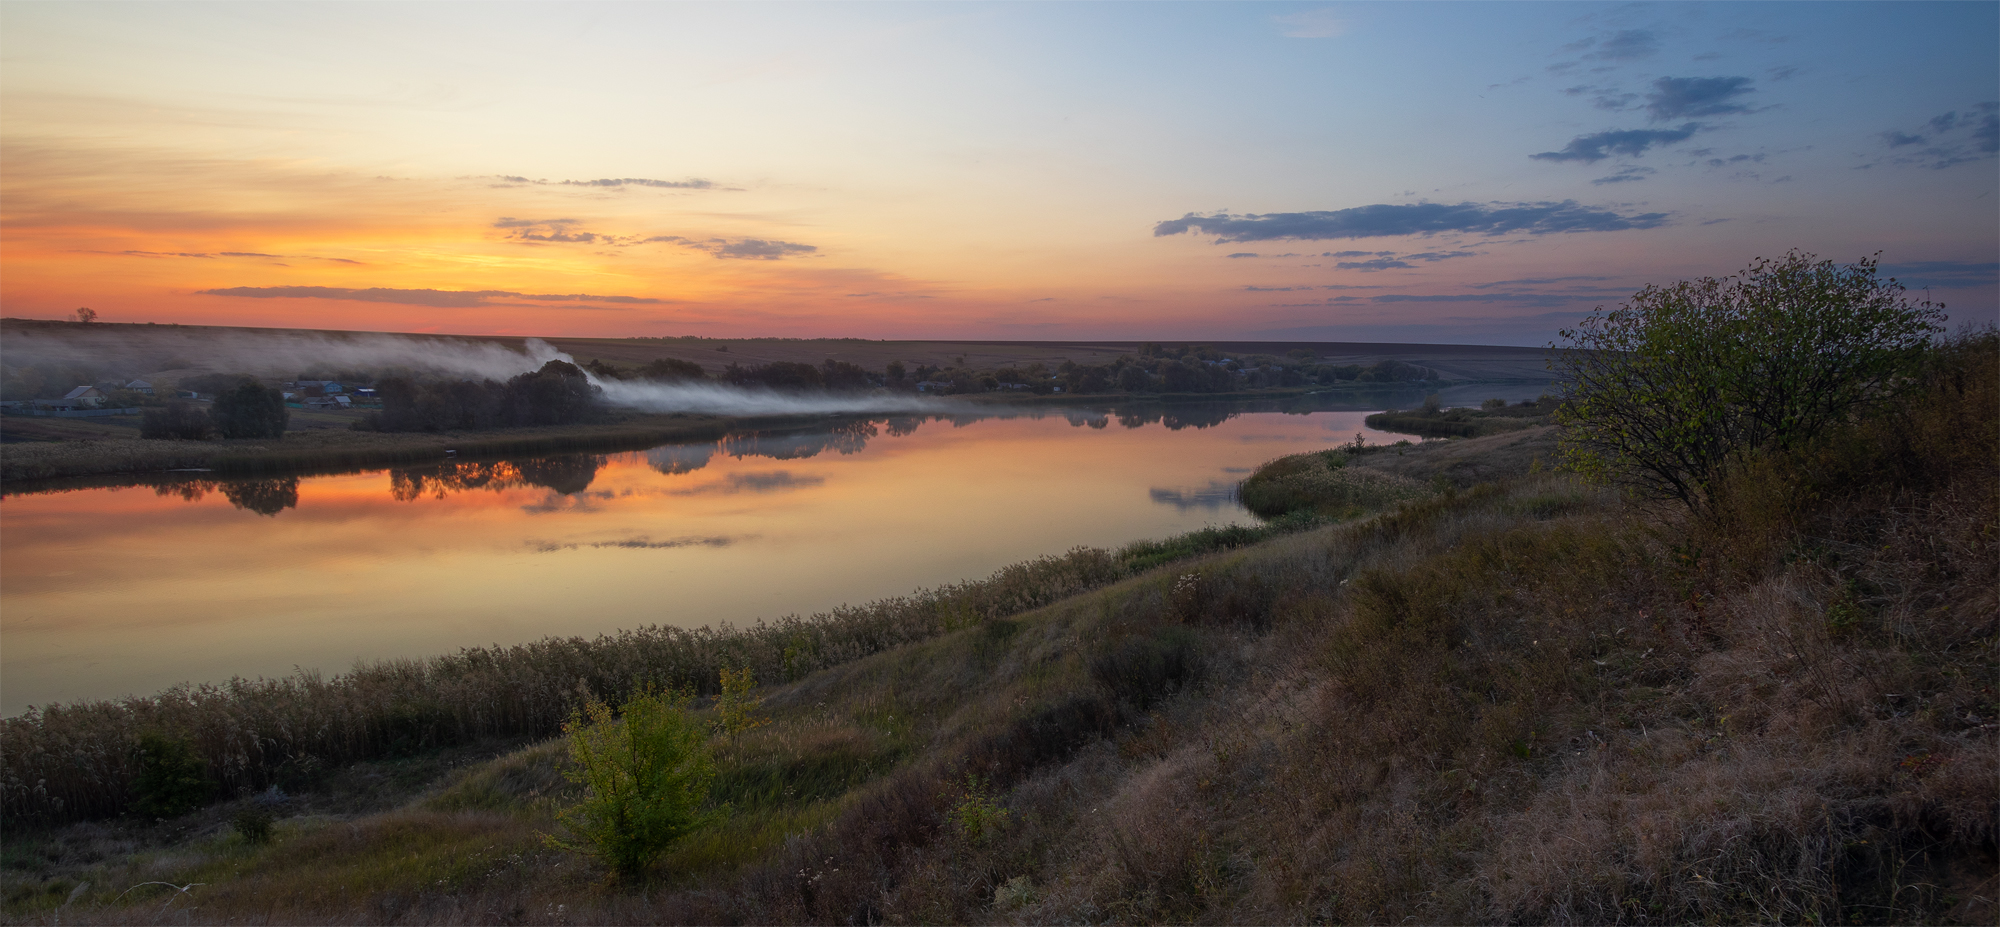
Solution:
(1454, 172)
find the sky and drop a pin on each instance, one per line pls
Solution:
(1484, 173)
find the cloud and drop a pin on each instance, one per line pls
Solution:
(443, 299)
(1626, 45)
(1943, 274)
(1625, 174)
(1680, 97)
(742, 249)
(1242, 254)
(1633, 142)
(1387, 219)
(560, 230)
(1377, 264)
(1949, 139)
(616, 183)
(1539, 281)
(644, 543)
(1312, 24)
(692, 183)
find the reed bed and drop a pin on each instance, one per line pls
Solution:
(78, 761)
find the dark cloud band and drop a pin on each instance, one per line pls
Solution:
(1384, 219)
(443, 299)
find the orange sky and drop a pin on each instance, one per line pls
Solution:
(970, 170)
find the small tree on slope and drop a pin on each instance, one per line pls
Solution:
(1664, 392)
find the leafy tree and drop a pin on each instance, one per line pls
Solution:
(1664, 392)
(250, 410)
(177, 420)
(646, 775)
(736, 707)
(86, 315)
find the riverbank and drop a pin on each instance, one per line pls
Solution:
(1521, 700)
(59, 458)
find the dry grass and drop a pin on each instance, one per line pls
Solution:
(1522, 702)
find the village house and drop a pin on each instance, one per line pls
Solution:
(140, 386)
(84, 397)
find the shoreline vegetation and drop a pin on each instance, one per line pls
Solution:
(402, 416)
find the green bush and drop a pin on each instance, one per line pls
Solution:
(254, 824)
(172, 780)
(646, 774)
(1667, 391)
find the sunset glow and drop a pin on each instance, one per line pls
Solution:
(987, 171)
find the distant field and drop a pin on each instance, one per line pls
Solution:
(178, 348)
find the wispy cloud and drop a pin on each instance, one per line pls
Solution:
(1682, 97)
(742, 249)
(1943, 274)
(1386, 219)
(1630, 142)
(564, 231)
(442, 299)
(615, 183)
(1948, 139)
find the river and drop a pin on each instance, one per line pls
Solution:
(124, 590)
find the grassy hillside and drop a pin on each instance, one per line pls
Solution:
(1518, 700)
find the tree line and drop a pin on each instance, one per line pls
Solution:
(557, 394)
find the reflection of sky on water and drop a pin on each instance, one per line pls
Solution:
(1220, 494)
(115, 589)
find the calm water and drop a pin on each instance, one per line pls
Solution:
(126, 590)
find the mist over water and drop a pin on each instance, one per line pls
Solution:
(286, 354)
(723, 399)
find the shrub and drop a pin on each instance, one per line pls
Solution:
(254, 824)
(976, 816)
(172, 780)
(646, 775)
(177, 421)
(1322, 483)
(1664, 392)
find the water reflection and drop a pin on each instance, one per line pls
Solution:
(571, 475)
(197, 577)
(566, 474)
(263, 496)
(1217, 495)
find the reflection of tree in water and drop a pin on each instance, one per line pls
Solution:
(1179, 416)
(900, 425)
(265, 497)
(567, 474)
(1080, 417)
(1202, 415)
(680, 458)
(188, 490)
(847, 437)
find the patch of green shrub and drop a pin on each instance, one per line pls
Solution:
(646, 773)
(172, 780)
